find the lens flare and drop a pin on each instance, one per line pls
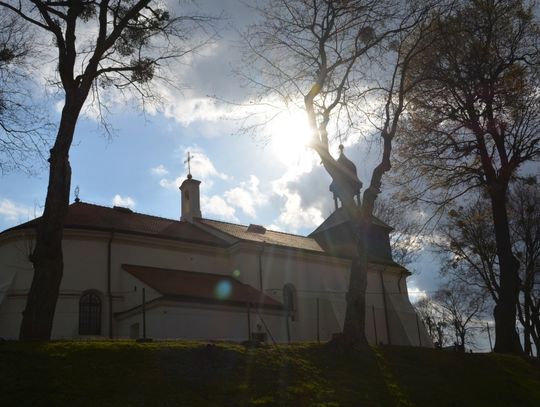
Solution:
(236, 273)
(223, 290)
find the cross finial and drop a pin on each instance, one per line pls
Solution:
(77, 191)
(341, 147)
(188, 161)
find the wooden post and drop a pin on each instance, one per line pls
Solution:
(374, 324)
(385, 310)
(418, 327)
(489, 337)
(249, 321)
(288, 328)
(318, 323)
(144, 312)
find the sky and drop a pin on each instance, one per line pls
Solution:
(269, 177)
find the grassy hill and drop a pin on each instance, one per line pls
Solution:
(194, 374)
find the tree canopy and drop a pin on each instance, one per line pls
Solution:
(23, 125)
(475, 115)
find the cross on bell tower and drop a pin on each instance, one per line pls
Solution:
(188, 161)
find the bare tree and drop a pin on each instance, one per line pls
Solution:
(462, 307)
(22, 123)
(321, 55)
(120, 44)
(468, 248)
(434, 320)
(475, 122)
(525, 227)
(469, 251)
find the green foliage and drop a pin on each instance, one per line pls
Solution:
(124, 373)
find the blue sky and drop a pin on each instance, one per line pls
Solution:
(267, 178)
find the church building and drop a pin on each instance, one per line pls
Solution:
(131, 275)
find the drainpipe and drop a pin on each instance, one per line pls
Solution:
(385, 308)
(109, 291)
(399, 281)
(260, 268)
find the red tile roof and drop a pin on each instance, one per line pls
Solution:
(269, 236)
(83, 215)
(207, 287)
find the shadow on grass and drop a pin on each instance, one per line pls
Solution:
(124, 373)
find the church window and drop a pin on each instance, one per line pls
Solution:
(90, 314)
(290, 300)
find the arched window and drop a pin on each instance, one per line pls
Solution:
(90, 314)
(290, 300)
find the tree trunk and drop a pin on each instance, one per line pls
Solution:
(506, 337)
(354, 327)
(47, 257)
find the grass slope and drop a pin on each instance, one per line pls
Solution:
(123, 373)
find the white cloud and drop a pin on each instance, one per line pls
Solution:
(126, 202)
(13, 212)
(274, 227)
(294, 217)
(416, 294)
(296, 213)
(201, 165)
(159, 170)
(188, 110)
(171, 183)
(216, 205)
(202, 168)
(247, 196)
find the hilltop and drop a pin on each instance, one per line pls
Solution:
(126, 373)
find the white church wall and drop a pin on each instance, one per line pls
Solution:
(327, 278)
(315, 278)
(169, 320)
(85, 263)
(11, 316)
(14, 255)
(15, 267)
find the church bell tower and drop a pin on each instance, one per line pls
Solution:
(191, 201)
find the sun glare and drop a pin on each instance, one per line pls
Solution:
(290, 137)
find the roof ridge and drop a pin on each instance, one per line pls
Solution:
(268, 230)
(133, 212)
(204, 273)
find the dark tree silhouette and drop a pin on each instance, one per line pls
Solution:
(475, 121)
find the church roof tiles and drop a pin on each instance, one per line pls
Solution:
(197, 286)
(243, 232)
(82, 215)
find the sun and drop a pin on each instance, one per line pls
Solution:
(290, 137)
